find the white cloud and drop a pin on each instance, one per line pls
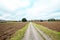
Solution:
(2, 18)
(41, 9)
(14, 4)
(5, 16)
(54, 14)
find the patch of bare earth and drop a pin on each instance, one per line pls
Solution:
(8, 29)
(51, 25)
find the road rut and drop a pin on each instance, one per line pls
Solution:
(33, 34)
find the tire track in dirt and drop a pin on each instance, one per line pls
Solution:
(46, 37)
(33, 34)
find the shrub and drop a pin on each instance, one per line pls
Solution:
(24, 20)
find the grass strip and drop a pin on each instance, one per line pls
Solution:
(19, 34)
(53, 34)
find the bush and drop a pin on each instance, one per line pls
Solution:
(51, 19)
(24, 20)
(41, 20)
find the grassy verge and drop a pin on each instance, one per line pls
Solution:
(53, 34)
(19, 34)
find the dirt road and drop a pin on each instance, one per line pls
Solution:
(33, 33)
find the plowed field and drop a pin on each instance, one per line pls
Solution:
(51, 25)
(7, 29)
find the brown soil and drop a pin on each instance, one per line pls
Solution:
(51, 25)
(7, 29)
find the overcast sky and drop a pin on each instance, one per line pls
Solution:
(30, 9)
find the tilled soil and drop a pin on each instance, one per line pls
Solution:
(51, 25)
(8, 29)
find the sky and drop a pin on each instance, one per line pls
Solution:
(29, 9)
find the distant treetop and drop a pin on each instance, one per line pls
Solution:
(24, 20)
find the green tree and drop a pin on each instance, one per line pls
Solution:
(24, 20)
(41, 20)
(52, 19)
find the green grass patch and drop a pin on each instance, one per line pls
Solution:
(19, 34)
(53, 34)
